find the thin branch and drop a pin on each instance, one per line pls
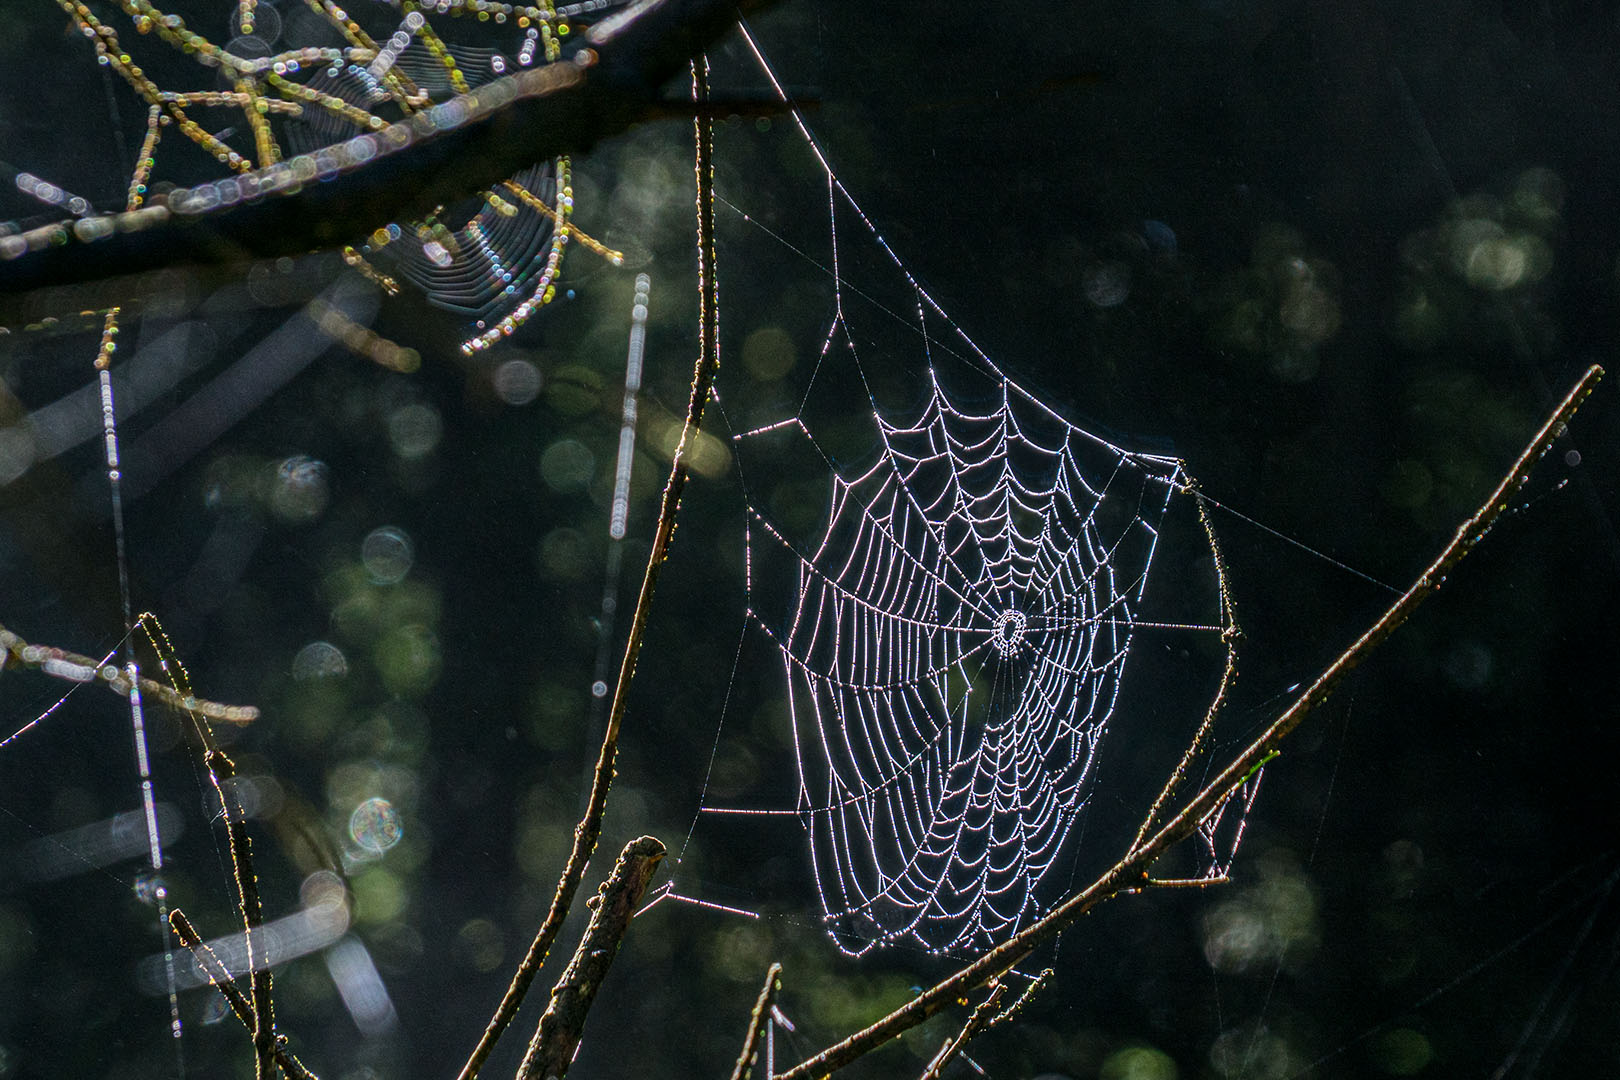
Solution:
(1010, 1012)
(221, 770)
(1130, 873)
(556, 1037)
(982, 1016)
(756, 1024)
(76, 667)
(222, 981)
(1229, 638)
(589, 828)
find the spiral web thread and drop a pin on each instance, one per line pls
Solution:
(955, 632)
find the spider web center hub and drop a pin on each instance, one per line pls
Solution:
(1008, 632)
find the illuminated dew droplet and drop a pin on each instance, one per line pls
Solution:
(437, 254)
(149, 887)
(375, 825)
(387, 554)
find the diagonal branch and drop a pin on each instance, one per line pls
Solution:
(756, 1024)
(1130, 873)
(221, 978)
(589, 828)
(556, 1037)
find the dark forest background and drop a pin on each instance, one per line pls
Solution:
(1341, 257)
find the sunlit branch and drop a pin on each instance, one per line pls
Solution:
(977, 1021)
(1130, 873)
(589, 828)
(757, 1019)
(76, 667)
(556, 1037)
(222, 981)
(221, 770)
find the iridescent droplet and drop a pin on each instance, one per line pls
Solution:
(375, 825)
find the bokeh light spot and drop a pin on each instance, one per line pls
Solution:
(516, 382)
(1138, 1063)
(1107, 284)
(479, 941)
(387, 554)
(1402, 1052)
(300, 492)
(319, 660)
(414, 430)
(768, 353)
(566, 465)
(375, 825)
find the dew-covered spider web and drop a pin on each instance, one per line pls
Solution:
(956, 581)
(280, 98)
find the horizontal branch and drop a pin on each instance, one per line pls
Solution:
(78, 668)
(1130, 873)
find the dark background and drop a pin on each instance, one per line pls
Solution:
(1426, 887)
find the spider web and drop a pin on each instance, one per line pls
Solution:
(955, 622)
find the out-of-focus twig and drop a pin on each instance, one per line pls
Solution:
(78, 668)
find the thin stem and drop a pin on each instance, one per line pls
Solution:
(589, 828)
(1130, 873)
(1229, 637)
(222, 981)
(221, 770)
(982, 1016)
(756, 1024)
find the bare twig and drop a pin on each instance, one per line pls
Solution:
(1130, 873)
(1229, 638)
(589, 828)
(76, 667)
(977, 1021)
(756, 1024)
(222, 981)
(557, 1036)
(1036, 986)
(221, 770)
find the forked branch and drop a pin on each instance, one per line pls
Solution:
(1131, 872)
